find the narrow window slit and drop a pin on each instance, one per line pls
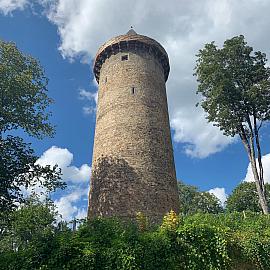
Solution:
(124, 57)
(132, 90)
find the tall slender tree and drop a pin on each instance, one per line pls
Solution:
(234, 83)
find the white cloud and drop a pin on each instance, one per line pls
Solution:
(8, 6)
(182, 27)
(72, 201)
(91, 98)
(201, 139)
(81, 213)
(68, 205)
(220, 194)
(88, 95)
(63, 158)
(37, 190)
(266, 170)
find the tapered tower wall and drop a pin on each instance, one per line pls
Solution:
(133, 166)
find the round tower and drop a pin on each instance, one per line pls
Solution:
(133, 166)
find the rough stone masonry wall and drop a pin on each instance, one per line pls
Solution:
(133, 165)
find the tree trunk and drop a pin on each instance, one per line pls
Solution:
(262, 199)
(249, 146)
(257, 140)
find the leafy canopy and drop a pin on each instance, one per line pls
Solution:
(23, 93)
(193, 201)
(234, 83)
(23, 104)
(245, 198)
(192, 242)
(19, 171)
(30, 236)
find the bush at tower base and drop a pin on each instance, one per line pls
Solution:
(201, 241)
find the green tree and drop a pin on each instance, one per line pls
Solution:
(234, 83)
(192, 242)
(23, 105)
(31, 236)
(18, 171)
(245, 198)
(23, 93)
(193, 201)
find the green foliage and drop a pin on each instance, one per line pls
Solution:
(193, 242)
(18, 169)
(205, 246)
(23, 104)
(23, 93)
(245, 198)
(234, 84)
(142, 221)
(30, 236)
(247, 236)
(193, 201)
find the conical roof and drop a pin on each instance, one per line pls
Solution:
(131, 32)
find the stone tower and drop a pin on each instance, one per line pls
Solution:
(133, 166)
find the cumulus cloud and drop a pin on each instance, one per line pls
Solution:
(73, 201)
(220, 194)
(266, 170)
(182, 27)
(63, 158)
(8, 6)
(70, 206)
(200, 138)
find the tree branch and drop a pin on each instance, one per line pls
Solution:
(260, 125)
(244, 140)
(257, 139)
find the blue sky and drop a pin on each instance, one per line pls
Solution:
(64, 35)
